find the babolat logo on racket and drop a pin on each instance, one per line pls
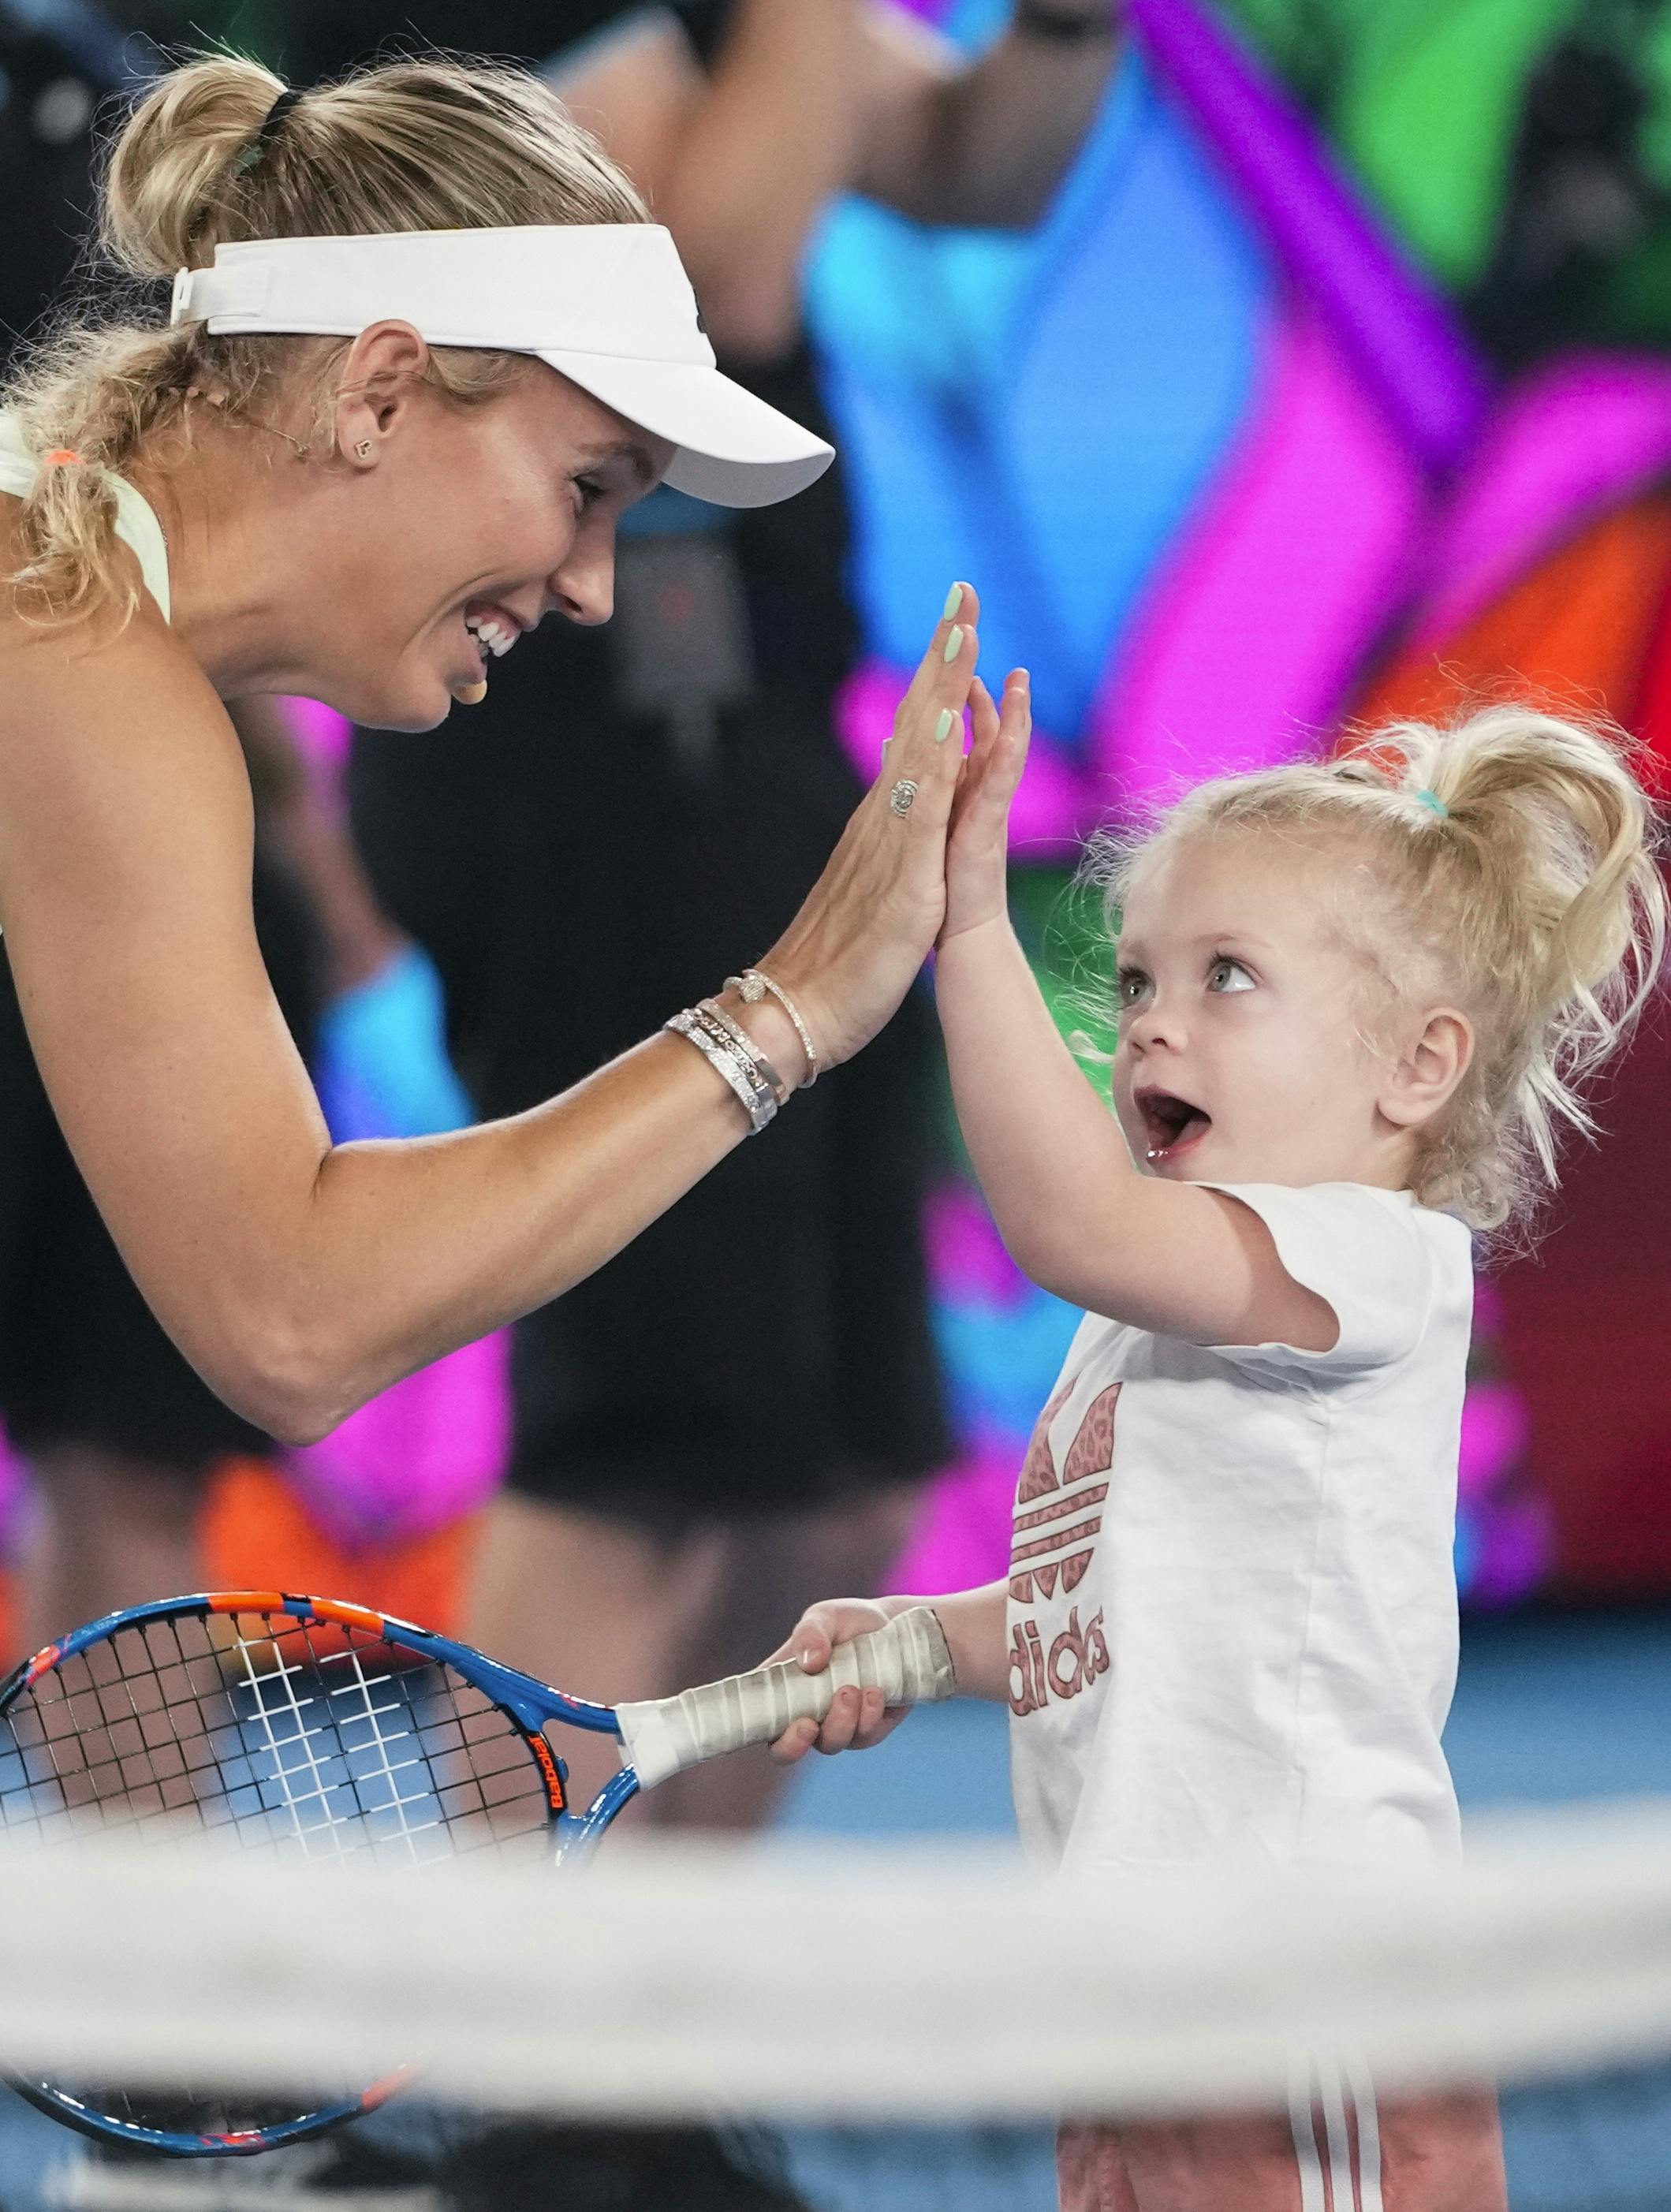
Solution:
(307, 1729)
(548, 1765)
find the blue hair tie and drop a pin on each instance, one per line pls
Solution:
(1432, 799)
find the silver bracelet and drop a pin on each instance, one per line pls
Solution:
(751, 986)
(754, 1093)
(736, 1040)
(733, 1032)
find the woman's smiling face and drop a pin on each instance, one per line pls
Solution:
(474, 524)
(1240, 1056)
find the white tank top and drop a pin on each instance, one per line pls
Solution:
(137, 524)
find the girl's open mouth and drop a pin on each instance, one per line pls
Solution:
(1172, 1126)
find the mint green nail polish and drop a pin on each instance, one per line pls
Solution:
(954, 599)
(943, 729)
(954, 645)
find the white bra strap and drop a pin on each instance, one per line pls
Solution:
(137, 524)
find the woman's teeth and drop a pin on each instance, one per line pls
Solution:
(491, 635)
(495, 635)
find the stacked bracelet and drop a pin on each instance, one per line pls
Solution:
(728, 1047)
(725, 1031)
(751, 987)
(742, 1068)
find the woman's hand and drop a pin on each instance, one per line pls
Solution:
(857, 1719)
(977, 850)
(852, 951)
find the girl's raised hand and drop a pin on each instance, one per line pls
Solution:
(852, 951)
(978, 841)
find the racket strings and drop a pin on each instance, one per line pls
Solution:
(292, 1711)
(283, 1735)
(324, 1739)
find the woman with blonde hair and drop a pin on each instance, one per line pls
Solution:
(389, 420)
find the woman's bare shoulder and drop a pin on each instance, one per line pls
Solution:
(113, 743)
(72, 674)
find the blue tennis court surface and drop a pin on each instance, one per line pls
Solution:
(1548, 1711)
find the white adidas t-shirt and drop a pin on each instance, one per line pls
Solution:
(1232, 1610)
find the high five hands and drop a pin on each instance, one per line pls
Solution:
(978, 833)
(923, 857)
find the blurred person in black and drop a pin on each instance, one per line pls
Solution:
(651, 1530)
(119, 1431)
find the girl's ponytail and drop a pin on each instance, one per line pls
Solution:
(1567, 932)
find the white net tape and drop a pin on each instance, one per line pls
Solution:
(858, 1983)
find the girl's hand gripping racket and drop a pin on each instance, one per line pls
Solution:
(320, 1730)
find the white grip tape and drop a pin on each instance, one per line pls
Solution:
(908, 1660)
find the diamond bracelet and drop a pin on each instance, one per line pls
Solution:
(745, 1076)
(731, 1034)
(751, 986)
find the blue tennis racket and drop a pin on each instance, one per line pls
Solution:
(323, 1731)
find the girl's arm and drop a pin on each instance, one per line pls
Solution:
(302, 1278)
(972, 1622)
(1069, 1202)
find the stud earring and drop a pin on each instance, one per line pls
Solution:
(363, 449)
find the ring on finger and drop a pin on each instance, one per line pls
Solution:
(903, 795)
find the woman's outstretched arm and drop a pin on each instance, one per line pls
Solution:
(299, 1277)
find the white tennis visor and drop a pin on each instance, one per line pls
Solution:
(607, 305)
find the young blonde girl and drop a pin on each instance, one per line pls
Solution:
(1359, 1001)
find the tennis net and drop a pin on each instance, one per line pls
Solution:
(883, 2028)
